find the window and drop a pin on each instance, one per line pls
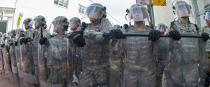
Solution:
(82, 9)
(63, 3)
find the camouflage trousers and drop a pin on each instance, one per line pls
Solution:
(137, 78)
(116, 76)
(1, 63)
(160, 72)
(28, 80)
(7, 65)
(94, 78)
(182, 76)
(46, 84)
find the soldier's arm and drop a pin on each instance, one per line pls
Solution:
(47, 34)
(105, 28)
(97, 36)
(172, 26)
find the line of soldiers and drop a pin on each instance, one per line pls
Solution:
(96, 55)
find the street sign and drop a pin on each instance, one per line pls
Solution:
(159, 2)
(155, 2)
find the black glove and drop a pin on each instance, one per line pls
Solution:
(83, 26)
(175, 35)
(117, 34)
(43, 41)
(22, 40)
(11, 44)
(2, 45)
(78, 39)
(205, 36)
(28, 39)
(154, 35)
(16, 43)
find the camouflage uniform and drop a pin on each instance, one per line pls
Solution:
(58, 65)
(77, 61)
(139, 61)
(12, 53)
(37, 34)
(96, 56)
(161, 52)
(1, 57)
(116, 75)
(7, 61)
(185, 55)
(204, 65)
(38, 50)
(30, 33)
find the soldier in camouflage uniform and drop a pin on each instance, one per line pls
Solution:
(27, 66)
(96, 53)
(75, 24)
(38, 50)
(12, 52)
(7, 59)
(18, 57)
(19, 36)
(206, 67)
(186, 55)
(138, 59)
(58, 56)
(161, 54)
(116, 64)
(28, 70)
(29, 33)
(40, 26)
(1, 55)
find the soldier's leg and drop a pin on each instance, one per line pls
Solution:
(130, 79)
(148, 78)
(7, 65)
(160, 70)
(1, 63)
(102, 77)
(174, 77)
(30, 80)
(16, 75)
(115, 76)
(86, 79)
(191, 75)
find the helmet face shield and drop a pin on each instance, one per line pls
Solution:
(94, 12)
(207, 16)
(182, 10)
(138, 13)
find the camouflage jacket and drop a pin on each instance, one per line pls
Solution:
(59, 57)
(96, 53)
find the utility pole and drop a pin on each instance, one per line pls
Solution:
(196, 12)
(151, 14)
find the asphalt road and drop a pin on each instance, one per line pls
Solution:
(5, 83)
